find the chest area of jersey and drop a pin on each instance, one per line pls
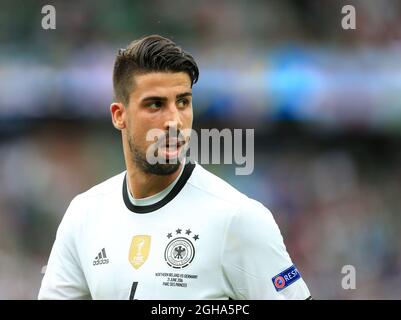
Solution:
(153, 260)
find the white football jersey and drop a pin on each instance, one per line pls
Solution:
(203, 240)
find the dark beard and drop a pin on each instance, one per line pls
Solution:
(159, 169)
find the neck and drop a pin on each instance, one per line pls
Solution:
(143, 185)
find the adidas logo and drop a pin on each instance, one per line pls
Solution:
(101, 258)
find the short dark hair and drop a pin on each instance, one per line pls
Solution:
(149, 54)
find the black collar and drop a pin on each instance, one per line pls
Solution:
(186, 173)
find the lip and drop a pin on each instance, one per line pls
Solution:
(171, 147)
(171, 151)
(174, 143)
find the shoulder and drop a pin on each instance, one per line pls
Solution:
(106, 187)
(253, 229)
(244, 210)
(215, 187)
(255, 217)
(81, 202)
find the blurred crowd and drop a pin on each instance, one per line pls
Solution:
(325, 104)
(208, 24)
(283, 59)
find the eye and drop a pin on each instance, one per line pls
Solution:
(154, 105)
(182, 103)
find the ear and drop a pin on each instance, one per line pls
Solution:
(118, 115)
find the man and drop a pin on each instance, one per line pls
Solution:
(170, 229)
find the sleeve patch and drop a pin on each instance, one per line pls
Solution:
(286, 278)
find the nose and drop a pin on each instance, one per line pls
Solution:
(173, 118)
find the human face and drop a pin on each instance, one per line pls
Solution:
(159, 100)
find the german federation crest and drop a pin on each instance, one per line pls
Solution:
(180, 251)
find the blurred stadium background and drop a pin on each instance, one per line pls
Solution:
(325, 104)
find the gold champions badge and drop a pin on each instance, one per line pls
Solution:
(139, 250)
